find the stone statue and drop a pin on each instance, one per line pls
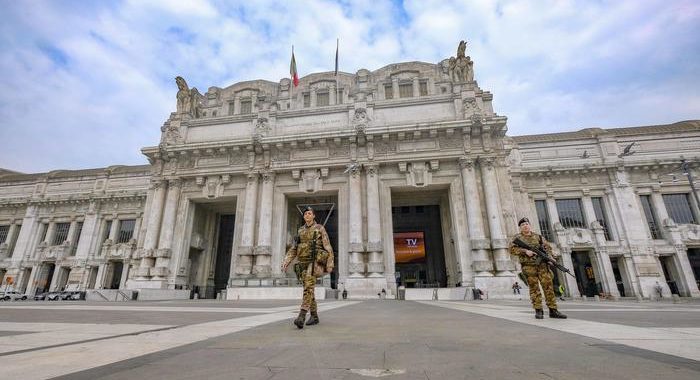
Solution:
(461, 68)
(188, 101)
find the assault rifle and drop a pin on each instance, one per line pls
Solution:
(542, 256)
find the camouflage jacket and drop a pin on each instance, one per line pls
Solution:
(304, 241)
(532, 240)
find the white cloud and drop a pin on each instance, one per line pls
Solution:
(88, 85)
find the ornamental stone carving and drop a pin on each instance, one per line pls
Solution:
(419, 174)
(188, 100)
(171, 133)
(461, 68)
(262, 128)
(361, 120)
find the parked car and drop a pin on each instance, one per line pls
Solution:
(77, 295)
(53, 296)
(40, 296)
(14, 296)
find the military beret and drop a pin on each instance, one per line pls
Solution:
(523, 220)
(309, 208)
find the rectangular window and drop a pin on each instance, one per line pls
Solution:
(107, 229)
(339, 96)
(678, 207)
(13, 241)
(543, 218)
(423, 87)
(231, 108)
(126, 230)
(388, 91)
(406, 90)
(246, 107)
(599, 209)
(322, 99)
(651, 217)
(44, 230)
(307, 100)
(61, 234)
(570, 213)
(78, 231)
(4, 231)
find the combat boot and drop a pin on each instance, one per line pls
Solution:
(554, 313)
(539, 314)
(313, 319)
(299, 322)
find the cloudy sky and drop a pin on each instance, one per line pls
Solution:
(88, 84)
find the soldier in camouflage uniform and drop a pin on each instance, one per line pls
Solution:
(536, 271)
(311, 236)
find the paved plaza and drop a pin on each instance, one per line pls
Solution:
(356, 340)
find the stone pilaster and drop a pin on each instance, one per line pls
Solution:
(481, 263)
(165, 242)
(355, 248)
(499, 243)
(244, 253)
(263, 250)
(150, 242)
(88, 235)
(603, 263)
(375, 266)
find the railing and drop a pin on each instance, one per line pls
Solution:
(124, 296)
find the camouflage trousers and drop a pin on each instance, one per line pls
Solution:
(536, 275)
(308, 301)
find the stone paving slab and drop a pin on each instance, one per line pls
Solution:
(415, 340)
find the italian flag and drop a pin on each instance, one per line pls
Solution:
(293, 70)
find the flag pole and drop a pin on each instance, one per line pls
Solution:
(291, 86)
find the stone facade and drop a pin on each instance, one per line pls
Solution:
(407, 134)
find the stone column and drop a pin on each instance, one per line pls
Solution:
(603, 263)
(236, 105)
(114, 229)
(165, 242)
(263, 251)
(499, 243)
(395, 88)
(244, 262)
(571, 285)
(355, 247)
(375, 266)
(50, 232)
(312, 98)
(588, 211)
(416, 88)
(89, 226)
(152, 230)
(332, 95)
(23, 245)
(657, 201)
(481, 263)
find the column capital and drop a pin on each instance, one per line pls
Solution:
(157, 183)
(354, 169)
(175, 182)
(372, 169)
(487, 162)
(252, 175)
(268, 176)
(466, 163)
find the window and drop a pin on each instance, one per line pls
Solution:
(339, 96)
(423, 88)
(570, 213)
(543, 218)
(599, 209)
(107, 228)
(246, 106)
(213, 113)
(322, 99)
(13, 240)
(231, 108)
(78, 231)
(44, 230)
(406, 90)
(126, 230)
(388, 91)
(678, 207)
(651, 218)
(307, 100)
(61, 234)
(4, 231)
